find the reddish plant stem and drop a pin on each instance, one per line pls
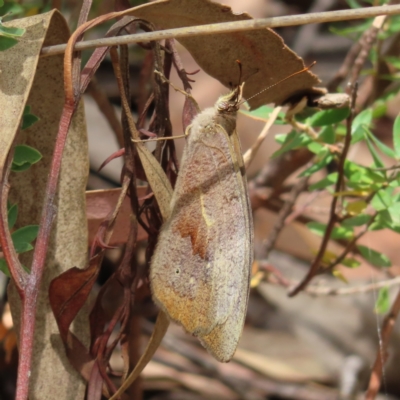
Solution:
(7, 246)
(31, 289)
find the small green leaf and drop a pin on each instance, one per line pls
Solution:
(329, 117)
(364, 119)
(394, 212)
(20, 168)
(327, 135)
(323, 183)
(11, 8)
(28, 119)
(4, 267)
(351, 263)
(263, 113)
(339, 232)
(381, 221)
(380, 109)
(382, 304)
(280, 138)
(352, 29)
(353, 4)
(1, 3)
(22, 247)
(383, 199)
(396, 136)
(315, 147)
(378, 163)
(395, 61)
(375, 258)
(12, 215)
(7, 42)
(361, 175)
(25, 155)
(358, 220)
(381, 146)
(292, 142)
(326, 158)
(9, 31)
(26, 234)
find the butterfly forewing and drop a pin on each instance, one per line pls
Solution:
(201, 266)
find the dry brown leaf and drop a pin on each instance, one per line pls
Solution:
(264, 56)
(38, 82)
(157, 179)
(99, 205)
(160, 328)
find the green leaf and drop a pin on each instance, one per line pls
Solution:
(381, 146)
(394, 212)
(339, 232)
(263, 113)
(361, 175)
(380, 109)
(358, 220)
(1, 3)
(26, 234)
(28, 119)
(22, 247)
(24, 157)
(20, 168)
(292, 141)
(9, 31)
(353, 4)
(4, 267)
(327, 135)
(351, 263)
(329, 117)
(383, 199)
(315, 147)
(382, 304)
(12, 215)
(381, 221)
(362, 120)
(11, 8)
(352, 29)
(323, 162)
(394, 61)
(378, 163)
(323, 183)
(396, 136)
(7, 42)
(375, 258)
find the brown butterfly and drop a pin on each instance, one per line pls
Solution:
(200, 270)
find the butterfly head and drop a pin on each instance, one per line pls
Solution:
(230, 103)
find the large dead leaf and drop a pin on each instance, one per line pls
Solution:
(38, 82)
(264, 56)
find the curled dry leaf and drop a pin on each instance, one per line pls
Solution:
(264, 56)
(27, 79)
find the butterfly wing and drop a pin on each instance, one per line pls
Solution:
(201, 265)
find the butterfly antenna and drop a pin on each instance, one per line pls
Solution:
(282, 80)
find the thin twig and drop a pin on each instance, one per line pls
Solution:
(332, 216)
(248, 157)
(319, 290)
(236, 26)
